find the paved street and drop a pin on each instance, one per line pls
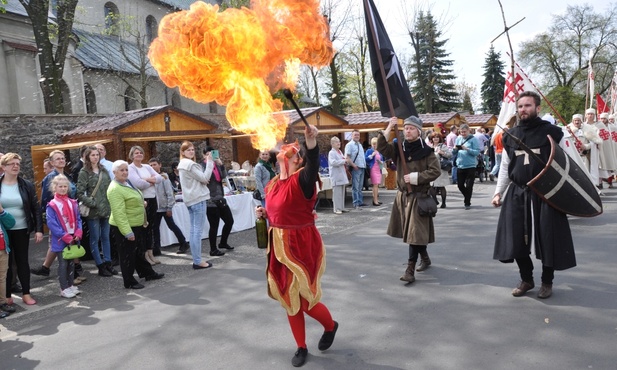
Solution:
(459, 314)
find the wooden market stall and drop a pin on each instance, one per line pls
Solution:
(119, 132)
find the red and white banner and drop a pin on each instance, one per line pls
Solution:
(590, 80)
(514, 86)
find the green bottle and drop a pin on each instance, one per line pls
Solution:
(261, 227)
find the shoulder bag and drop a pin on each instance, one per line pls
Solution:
(427, 207)
(84, 210)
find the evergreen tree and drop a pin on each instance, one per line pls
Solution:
(467, 106)
(493, 84)
(432, 77)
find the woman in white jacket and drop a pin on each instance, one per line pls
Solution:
(194, 182)
(338, 176)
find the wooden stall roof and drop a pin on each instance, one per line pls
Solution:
(163, 123)
(375, 120)
(486, 120)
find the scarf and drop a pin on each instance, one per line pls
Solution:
(217, 174)
(67, 210)
(268, 167)
(416, 150)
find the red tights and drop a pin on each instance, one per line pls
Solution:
(320, 313)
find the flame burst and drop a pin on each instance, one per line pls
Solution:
(240, 56)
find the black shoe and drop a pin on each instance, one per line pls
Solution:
(7, 308)
(155, 276)
(16, 288)
(103, 270)
(183, 248)
(299, 357)
(4, 314)
(110, 268)
(226, 246)
(327, 338)
(156, 251)
(41, 271)
(134, 286)
(363, 205)
(216, 253)
(198, 267)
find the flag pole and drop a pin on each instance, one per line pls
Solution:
(542, 95)
(388, 96)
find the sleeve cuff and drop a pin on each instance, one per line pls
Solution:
(413, 178)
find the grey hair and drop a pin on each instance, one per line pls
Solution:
(464, 126)
(117, 165)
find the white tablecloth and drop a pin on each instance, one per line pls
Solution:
(242, 207)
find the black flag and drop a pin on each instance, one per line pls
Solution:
(397, 85)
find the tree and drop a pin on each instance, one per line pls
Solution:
(359, 74)
(560, 55)
(494, 81)
(566, 102)
(52, 41)
(431, 75)
(467, 93)
(133, 45)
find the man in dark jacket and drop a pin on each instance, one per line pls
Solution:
(525, 219)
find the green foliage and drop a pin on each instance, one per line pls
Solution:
(432, 77)
(234, 4)
(467, 106)
(565, 101)
(560, 55)
(494, 81)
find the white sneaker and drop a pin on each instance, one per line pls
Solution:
(75, 289)
(338, 212)
(67, 293)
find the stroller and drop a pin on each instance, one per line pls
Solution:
(482, 167)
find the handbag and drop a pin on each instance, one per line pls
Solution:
(73, 251)
(84, 210)
(427, 207)
(348, 173)
(445, 163)
(257, 194)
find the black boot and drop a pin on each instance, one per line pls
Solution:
(183, 248)
(110, 268)
(103, 270)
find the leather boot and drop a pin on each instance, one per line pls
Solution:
(408, 276)
(103, 270)
(425, 261)
(110, 268)
(149, 257)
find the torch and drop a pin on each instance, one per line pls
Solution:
(290, 96)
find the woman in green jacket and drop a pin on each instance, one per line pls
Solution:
(128, 227)
(92, 184)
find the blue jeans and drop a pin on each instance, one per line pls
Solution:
(197, 214)
(357, 181)
(99, 230)
(495, 170)
(65, 271)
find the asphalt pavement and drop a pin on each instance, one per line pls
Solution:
(459, 314)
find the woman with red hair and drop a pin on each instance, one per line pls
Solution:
(296, 253)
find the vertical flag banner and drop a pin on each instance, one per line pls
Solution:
(592, 87)
(601, 105)
(395, 79)
(514, 86)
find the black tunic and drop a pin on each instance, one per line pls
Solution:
(523, 212)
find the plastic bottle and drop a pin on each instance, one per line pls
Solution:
(261, 227)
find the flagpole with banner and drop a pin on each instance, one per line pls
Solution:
(390, 84)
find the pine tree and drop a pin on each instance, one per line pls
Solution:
(432, 77)
(493, 84)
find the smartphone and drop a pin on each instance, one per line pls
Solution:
(459, 147)
(215, 154)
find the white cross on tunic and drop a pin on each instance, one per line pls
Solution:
(522, 152)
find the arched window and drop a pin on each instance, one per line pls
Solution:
(130, 99)
(152, 28)
(66, 97)
(90, 99)
(111, 18)
(175, 100)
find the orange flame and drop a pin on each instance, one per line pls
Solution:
(240, 56)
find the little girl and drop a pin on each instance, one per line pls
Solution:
(64, 223)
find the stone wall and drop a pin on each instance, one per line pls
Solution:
(19, 132)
